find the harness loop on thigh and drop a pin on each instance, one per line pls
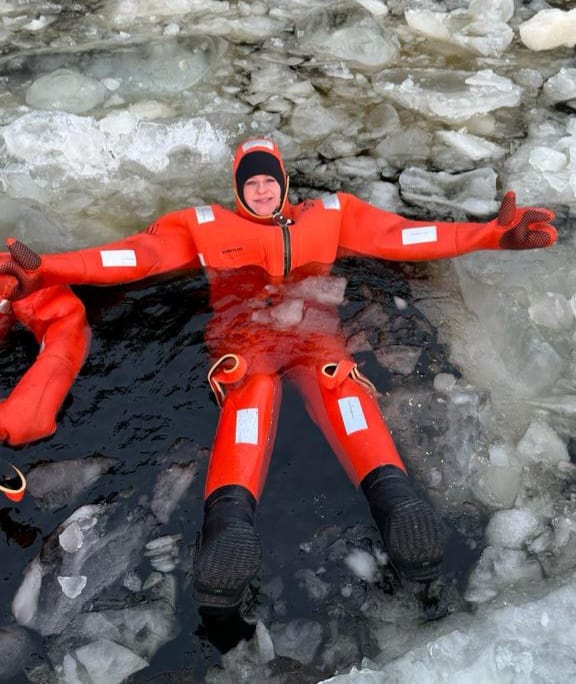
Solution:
(333, 374)
(228, 370)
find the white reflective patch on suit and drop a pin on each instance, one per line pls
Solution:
(204, 214)
(331, 202)
(248, 145)
(201, 259)
(5, 306)
(247, 426)
(118, 257)
(414, 236)
(352, 414)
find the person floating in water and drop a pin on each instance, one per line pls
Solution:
(57, 319)
(275, 317)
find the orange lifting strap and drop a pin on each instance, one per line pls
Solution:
(229, 369)
(15, 494)
(334, 374)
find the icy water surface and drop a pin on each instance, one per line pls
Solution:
(115, 111)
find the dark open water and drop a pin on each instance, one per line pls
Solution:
(144, 387)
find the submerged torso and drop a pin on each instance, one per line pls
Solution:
(271, 289)
(289, 320)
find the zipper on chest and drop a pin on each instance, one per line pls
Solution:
(283, 223)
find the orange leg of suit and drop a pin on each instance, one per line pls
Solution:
(231, 554)
(338, 398)
(343, 404)
(245, 434)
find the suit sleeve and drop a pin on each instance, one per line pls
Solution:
(166, 246)
(57, 319)
(371, 231)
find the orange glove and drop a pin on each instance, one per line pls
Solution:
(524, 228)
(19, 274)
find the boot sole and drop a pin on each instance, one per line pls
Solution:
(415, 540)
(226, 566)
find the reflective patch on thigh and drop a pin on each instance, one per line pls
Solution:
(352, 414)
(247, 426)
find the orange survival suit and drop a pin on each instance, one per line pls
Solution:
(57, 320)
(275, 315)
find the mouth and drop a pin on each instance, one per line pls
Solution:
(263, 206)
(264, 202)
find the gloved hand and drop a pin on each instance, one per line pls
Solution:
(524, 228)
(20, 272)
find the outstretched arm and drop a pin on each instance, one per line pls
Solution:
(165, 246)
(371, 231)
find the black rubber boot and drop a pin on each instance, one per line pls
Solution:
(412, 531)
(230, 554)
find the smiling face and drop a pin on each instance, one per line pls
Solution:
(260, 181)
(262, 194)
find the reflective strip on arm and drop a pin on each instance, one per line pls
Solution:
(204, 214)
(118, 257)
(331, 202)
(418, 235)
